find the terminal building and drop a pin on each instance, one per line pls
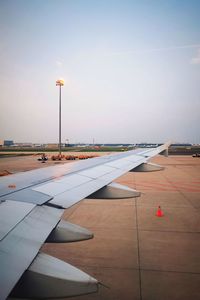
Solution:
(7, 143)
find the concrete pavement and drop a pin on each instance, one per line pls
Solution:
(136, 254)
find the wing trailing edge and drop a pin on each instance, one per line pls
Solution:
(41, 196)
(21, 245)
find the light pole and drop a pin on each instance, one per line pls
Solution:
(60, 82)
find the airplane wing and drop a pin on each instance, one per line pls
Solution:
(31, 207)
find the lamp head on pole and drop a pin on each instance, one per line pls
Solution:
(60, 82)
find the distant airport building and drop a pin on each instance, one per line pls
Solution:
(51, 146)
(24, 145)
(38, 145)
(8, 143)
(181, 145)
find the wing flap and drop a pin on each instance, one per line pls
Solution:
(59, 186)
(21, 245)
(88, 181)
(126, 162)
(71, 197)
(29, 196)
(97, 172)
(11, 213)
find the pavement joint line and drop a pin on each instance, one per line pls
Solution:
(170, 231)
(138, 248)
(178, 190)
(143, 230)
(107, 267)
(112, 227)
(167, 206)
(107, 204)
(137, 269)
(170, 271)
(134, 182)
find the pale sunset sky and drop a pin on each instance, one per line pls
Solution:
(131, 70)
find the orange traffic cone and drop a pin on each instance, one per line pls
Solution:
(159, 212)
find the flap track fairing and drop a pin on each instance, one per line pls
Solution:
(49, 277)
(147, 167)
(115, 191)
(66, 232)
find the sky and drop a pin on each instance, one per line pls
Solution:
(131, 70)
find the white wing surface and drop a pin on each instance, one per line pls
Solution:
(31, 206)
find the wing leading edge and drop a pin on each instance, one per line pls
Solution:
(31, 206)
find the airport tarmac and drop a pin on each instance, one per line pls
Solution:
(136, 254)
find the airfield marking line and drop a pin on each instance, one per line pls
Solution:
(181, 192)
(168, 187)
(170, 231)
(170, 271)
(137, 233)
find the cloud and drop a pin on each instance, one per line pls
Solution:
(196, 60)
